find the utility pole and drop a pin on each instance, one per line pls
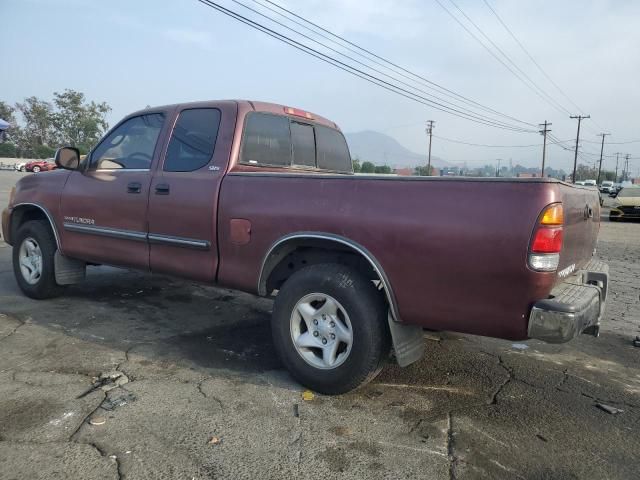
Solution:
(575, 158)
(626, 167)
(615, 180)
(430, 133)
(498, 168)
(544, 143)
(601, 150)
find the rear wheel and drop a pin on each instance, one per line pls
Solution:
(329, 328)
(36, 169)
(613, 218)
(33, 260)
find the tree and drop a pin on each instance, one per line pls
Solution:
(7, 150)
(78, 123)
(386, 169)
(584, 172)
(38, 126)
(7, 114)
(367, 167)
(356, 165)
(422, 171)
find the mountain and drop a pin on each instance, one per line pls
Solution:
(381, 149)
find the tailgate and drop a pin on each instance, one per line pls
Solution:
(581, 226)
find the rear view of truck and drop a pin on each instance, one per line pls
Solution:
(564, 242)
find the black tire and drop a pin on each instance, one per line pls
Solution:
(45, 286)
(613, 219)
(367, 311)
(36, 169)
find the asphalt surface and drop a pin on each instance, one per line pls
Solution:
(207, 398)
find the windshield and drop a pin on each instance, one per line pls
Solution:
(630, 192)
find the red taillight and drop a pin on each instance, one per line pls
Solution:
(546, 243)
(547, 240)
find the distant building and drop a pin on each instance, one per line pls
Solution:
(404, 172)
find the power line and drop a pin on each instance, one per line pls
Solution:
(359, 73)
(497, 146)
(531, 85)
(376, 59)
(495, 13)
(614, 143)
(395, 79)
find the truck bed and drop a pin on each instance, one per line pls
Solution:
(454, 249)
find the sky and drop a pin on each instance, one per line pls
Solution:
(133, 54)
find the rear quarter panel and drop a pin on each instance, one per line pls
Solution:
(455, 251)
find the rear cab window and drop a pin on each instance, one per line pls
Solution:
(281, 141)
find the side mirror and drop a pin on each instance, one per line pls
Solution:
(68, 158)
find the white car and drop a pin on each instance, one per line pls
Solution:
(606, 186)
(20, 166)
(590, 183)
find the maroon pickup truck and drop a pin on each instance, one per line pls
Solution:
(262, 198)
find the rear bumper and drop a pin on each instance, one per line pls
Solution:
(574, 306)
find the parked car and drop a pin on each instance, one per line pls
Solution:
(606, 186)
(590, 183)
(40, 166)
(613, 191)
(626, 204)
(20, 166)
(262, 198)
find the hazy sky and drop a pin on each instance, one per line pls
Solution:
(134, 53)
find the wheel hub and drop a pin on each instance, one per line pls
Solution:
(321, 331)
(30, 259)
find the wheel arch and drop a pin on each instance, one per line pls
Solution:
(24, 212)
(281, 249)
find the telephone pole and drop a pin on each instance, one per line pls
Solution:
(430, 133)
(575, 158)
(498, 167)
(544, 132)
(615, 180)
(625, 173)
(601, 150)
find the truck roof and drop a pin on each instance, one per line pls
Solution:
(254, 105)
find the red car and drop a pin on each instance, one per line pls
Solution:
(40, 166)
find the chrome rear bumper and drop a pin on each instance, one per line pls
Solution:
(574, 306)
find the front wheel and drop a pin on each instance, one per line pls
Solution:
(329, 328)
(33, 260)
(36, 169)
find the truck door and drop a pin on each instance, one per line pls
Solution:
(104, 205)
(183, 201)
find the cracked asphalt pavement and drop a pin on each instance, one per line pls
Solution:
(206, 396)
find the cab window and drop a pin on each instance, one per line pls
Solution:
(193, 140)
(333, 153)
(130, 145)
(267, 140)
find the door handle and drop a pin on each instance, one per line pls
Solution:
(162, 189)
(134, 187)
